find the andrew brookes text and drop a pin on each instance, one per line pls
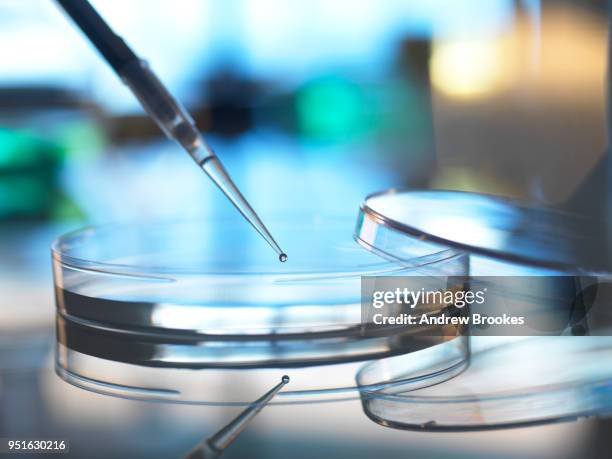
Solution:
(425, 319)
(486, 305)
(450, 297)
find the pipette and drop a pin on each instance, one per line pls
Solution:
(215, 445)
(166, 111)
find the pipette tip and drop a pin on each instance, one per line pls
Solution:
(214, 446)
(215, 170)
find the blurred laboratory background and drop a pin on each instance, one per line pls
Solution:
(311, 105)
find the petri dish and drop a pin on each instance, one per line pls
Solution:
(508, 384)
(495, 227)
(529, 258)
(202, 312)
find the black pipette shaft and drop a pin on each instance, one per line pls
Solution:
(115, 51)
(165, 110)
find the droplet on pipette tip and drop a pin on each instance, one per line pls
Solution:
(282, 257)
(285, 379)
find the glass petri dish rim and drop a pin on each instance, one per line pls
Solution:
(183, 290)
(432, 427)
(414, 232)
(383, 267)
(411, 397)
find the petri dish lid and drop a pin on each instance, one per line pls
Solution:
(495, 227)
(507, 384)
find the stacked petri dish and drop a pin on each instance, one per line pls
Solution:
(547, 263)
(202, 312)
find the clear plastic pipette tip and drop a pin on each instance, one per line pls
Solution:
(215, 170)
(177, 124)
(228, 434)
(215, 445)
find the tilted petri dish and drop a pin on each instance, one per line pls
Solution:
(509, 383)
(513, 380)
(179, 311)
(500, 228)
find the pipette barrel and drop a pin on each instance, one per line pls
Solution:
(172, 118)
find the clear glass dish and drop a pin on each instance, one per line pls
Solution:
(548, 265)
(141, 307)
(508, 383)
(491, 226)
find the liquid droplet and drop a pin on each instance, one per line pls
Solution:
(285, 379)
(283, 257)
